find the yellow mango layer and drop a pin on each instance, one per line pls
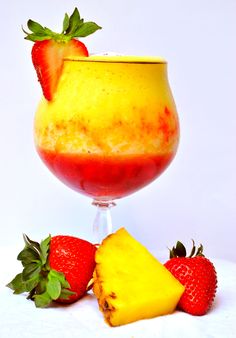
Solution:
(109, 105)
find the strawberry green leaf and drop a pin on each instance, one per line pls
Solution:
(32, 283)
(41, 286)
(193, 249)
(17, 284)
(31, 244)
(86, 29)
(27, 256)
(73, 26)
(180, 249)
(65, 294)
(74, 20)
(44, 249)
(31, 270)
(35, 27)
(42, 300)
(66, 23)
(172, 253)
(35, 37)
(200, 251)
(61, 277)
(49, 32)
(53, 288)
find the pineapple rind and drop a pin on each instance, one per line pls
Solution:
(130, 283)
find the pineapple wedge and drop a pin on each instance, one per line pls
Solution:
(131, 284)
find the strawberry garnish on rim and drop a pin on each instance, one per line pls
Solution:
(51, 48)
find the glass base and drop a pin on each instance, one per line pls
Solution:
(102, 225)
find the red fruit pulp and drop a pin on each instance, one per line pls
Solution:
(105, 177)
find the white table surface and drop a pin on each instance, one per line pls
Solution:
(20, 319)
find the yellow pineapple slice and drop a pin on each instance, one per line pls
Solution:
(130, 283)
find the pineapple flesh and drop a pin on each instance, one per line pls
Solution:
(130, 283)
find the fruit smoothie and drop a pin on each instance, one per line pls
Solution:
(112, 126)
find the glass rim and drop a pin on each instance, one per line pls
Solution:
(119, 59)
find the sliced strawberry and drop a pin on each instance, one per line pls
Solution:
(51, 48)
(47, 57)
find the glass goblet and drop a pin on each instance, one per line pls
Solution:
(111, 128)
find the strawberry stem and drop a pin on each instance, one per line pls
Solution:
(73, 27)
(180, 251)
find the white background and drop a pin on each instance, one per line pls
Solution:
(195, 197)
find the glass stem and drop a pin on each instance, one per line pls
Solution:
(102, 225)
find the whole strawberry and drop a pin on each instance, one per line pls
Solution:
(197, 274)
(58, 269)
(50, 48)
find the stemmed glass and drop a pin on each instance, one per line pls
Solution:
(111, 129)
